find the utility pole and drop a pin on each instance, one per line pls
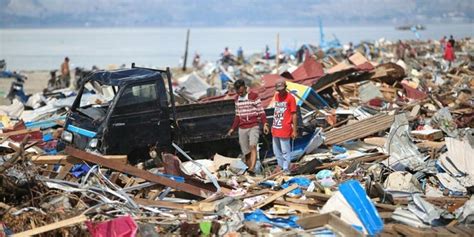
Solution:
(186, 51)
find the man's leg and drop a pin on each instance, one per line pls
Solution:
(285, 144)
(254, 134)
(277, 151)
(244, 143)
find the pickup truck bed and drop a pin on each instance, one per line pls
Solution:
(202, 127)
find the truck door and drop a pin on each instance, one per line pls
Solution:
(138, 120)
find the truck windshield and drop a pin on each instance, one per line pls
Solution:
(95, 100)
(96, 94)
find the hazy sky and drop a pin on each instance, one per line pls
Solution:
(120, 13)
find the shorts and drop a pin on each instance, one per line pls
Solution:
(248, 137)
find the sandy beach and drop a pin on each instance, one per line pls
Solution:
(37, 81)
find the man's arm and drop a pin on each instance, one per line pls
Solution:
(235, 124)
(263, 116)
(294, 118)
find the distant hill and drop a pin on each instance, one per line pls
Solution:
(202, 13)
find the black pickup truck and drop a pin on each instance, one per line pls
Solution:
(131, 112)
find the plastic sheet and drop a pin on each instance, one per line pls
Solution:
(302, 183)
(259, 216)
(362, 205)
(119, 227)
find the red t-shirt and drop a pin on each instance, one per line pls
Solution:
(285, 106)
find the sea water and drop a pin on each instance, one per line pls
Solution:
(45, 49)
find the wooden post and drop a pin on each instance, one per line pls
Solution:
(186, 51)
(277, 52)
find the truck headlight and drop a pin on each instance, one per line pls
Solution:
(93, 143)
(66, 136)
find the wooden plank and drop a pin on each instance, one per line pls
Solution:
(158, 203)
(114, 176)
(443, 231)
(265, 179)
(435, 200)
(368, 158)
(153, 194)
(386, 206)
(52, 226)
(255, 193)
(411, 231)
(64, 159)
(64, 171)
(7, 207)
(466, 229)
(319, 196)
(430, 145)
(49, 170)
(333, 221)
(431, 135)
(302, 208)
(360, 129)
(459, 232)
(128, 169)
(19, 132)
(387, 234)
(275, 196)
(358, 59)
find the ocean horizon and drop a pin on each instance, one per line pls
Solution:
(45, 49)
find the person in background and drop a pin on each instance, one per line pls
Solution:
(449, 54)
(65, 73)
(196, 60)
(452, 41)
(442, 43)
(284, 126)
(240, 55)
(401, 47)
(267, 52)
(350, 50)
(226, 55)
(248, 113)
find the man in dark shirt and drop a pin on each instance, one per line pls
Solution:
(452, 41)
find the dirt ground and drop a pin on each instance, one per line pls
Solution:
(37, 81)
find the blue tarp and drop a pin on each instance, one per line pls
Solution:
(302, 182)
(259, 216)
(78, 170)
(361, 204)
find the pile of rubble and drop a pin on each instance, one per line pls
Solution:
(386, 148)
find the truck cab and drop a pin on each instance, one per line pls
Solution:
(120, 112)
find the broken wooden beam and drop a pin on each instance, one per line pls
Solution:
(430, 135)
(275, 196)
(265, 179)
(159, 203)
(52, 226)
(19, 132)
(65, 159)
(131, 170)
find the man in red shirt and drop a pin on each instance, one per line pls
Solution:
(284, 125)
(248, 113)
